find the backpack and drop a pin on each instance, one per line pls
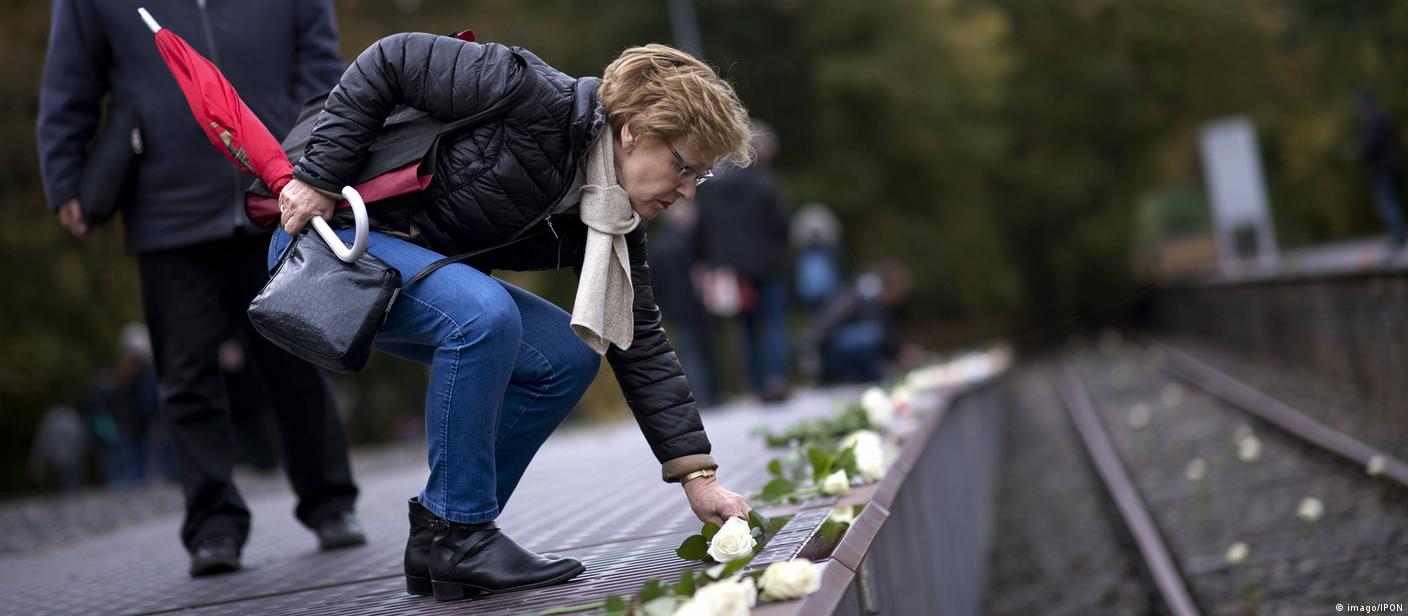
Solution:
(817, 276)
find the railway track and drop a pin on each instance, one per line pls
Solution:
(1232, 500)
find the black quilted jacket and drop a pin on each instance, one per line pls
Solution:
(499, 179)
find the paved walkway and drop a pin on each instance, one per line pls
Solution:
(593, 493)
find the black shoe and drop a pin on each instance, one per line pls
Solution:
(417, 560)
(215, 555)
(339, 530)
(479, 559)
(418, 549)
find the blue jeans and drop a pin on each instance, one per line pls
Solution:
(1386, 199)
(769, 353)
(505, 370)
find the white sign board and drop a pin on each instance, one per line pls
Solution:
(1235, 184)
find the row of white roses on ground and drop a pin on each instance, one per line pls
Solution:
(719, 590)
(859, 452)
(829, 455)
(722, 589)
(862, 455)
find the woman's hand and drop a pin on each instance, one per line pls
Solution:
(712, 503)
(299, 203)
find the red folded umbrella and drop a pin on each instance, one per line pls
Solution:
(217, 108)
(239, 134)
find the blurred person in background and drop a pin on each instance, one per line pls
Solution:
(816, 269)
(200, 259)
(673, 252)
(572, 170)
(1381, 152)
(743, 227)
(122, 410)
(856, 336)
(59, 450)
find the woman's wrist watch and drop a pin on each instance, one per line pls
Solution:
(703, 472)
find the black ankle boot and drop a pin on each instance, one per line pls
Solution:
(417, 561)
(479, 559)
(418, 549)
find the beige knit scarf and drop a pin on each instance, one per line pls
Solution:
(601, 313)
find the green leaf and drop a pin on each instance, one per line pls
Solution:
(709, 530)
(695, 547)
(758, 520)
(652, 589)
(775, 467)
(735, 566)
(616, 606)
(821, 463)
(776, 489)
(685, 587)
(660, 606)
(846, 460)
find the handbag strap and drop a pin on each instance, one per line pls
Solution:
(429, 269)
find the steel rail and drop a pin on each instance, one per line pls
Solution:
(1117, 482)
(1203, 376)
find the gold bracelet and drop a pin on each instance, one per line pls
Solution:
(703, 472)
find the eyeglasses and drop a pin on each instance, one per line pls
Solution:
(687, 172)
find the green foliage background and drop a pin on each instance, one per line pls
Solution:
(1002, 149)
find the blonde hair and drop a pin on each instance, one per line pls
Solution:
(663, 93)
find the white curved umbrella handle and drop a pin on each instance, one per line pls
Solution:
(359, 213)
(147, 19)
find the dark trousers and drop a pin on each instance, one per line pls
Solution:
(195, 297)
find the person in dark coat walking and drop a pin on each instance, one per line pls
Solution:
(1380, 149)
(200, 260)
(571, 170)
(674, 254)
(743, 226)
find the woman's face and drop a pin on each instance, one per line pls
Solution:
(649, 173)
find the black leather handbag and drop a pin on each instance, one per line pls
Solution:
(326, 311)
(323, 310)
(109, 174)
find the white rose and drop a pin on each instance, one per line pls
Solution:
(842, 515)
(1311, 509)
(1139, 415)
(869, 452)
(791, 579)
(835, 483)
(1249, 448)
(879, 411)
(1237, 553)
(1375, 467)
(731, 597)
(901, 397)
(861, 436)
(693, 608)
(733, 541)
(1196, 469)
(870, 463)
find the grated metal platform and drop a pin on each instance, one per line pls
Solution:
(594, 494)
